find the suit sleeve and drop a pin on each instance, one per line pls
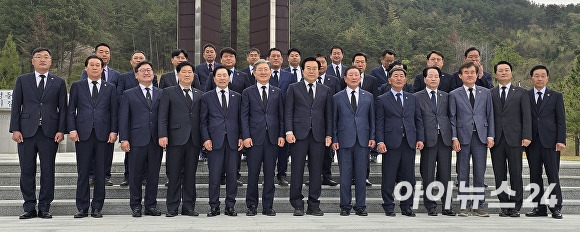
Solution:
(526, 110)
(281, 115)
(114, 111)
(453, 115)
(419, 122)
(335, 119)
(196, 84)
(490, 117)
(328, 113)
(372, 121)
(560, 119)
(204, 120)
(72, 107)
(209, 84)
(17, 97)
(419, 82)
(155, 81)
(62, 108)
(380, 122)
(124, 111)
(162, 82)
(163, 114)
(245, 115)
(289, 109)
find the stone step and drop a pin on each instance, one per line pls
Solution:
(281, 205)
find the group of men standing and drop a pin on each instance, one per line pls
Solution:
(307, 112)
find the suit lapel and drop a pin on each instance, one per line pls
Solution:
(345, 98)
(257, 94)
(156, 96)
(49, 81)
(302, 89)
(393, 101)
(180, 93)
(86, 90)
(425, 95)
(509, 97)
(545, 99)
(104, 86)
(478, 98)
(139, 94)
(463, 95)
(34, 86)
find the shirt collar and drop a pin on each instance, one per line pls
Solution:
(143, 87)
(260, 85)
(218, 90)
(467, 88)
(37, 74)
(349, 90)
(395, 92)
(543, 90)
(429, 90)
(507, 86)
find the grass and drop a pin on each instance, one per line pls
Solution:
(568, 152)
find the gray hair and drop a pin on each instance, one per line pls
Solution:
(261, 61)
(397, 69)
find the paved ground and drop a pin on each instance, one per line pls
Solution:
(287, 222)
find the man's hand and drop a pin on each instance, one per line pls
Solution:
(248, 143)
(490, 143)
(335, 146)
(526, 142)
(456, 146)
(17, 136)
(125, 146)
(382, 148)
(328, 141)
(560, 146)
(281, 142)
(372, 143)
(419, 145)
(240, 144)
(73, 136)
(290, 138)
(59, 137)
(163, 142)
(112, 137)
(207, 145)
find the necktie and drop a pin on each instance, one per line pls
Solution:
(433, 100)
(41, 84)
(502, 97)
(539, 102)
(295, 74)
(399, 102)
(264, 96)
(275, 78)
(148, 97)
(210, 68)
(188, 99)
(103, 78)
(320, 80)
(471, 97)
(337, 72)
(310, 92)
(224, 102)
(95, 91)
(353, 101)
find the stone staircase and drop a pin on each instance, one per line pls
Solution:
(117, 198)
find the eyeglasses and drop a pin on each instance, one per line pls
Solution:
(435, 59)
(145, 70)
(42, 57)
(473, 57)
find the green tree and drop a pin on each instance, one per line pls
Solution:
(570, 87)
(9, 63)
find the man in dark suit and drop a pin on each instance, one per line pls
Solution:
(473, 132)
(484, 79)
(38, 124)
(399, 132)
(353, 135)
(282, 80)
(294, 64)
(103, 51)
(447, 81)
(436, 155)
(262, 126)
(308, 119)
(180, 135)
(92, 124)
(336, 68)
(204, 69)
(252, 55)
(548, 140)
(170, 78)
(138, 136)
(382, 72)
(127, 81)
(220, 120)
(513, 130)
(387, 86)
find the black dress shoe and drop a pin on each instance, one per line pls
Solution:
(214, 212)
(432, 212)
(167, 184)
(82, 214)
(390, 213)
(448, 212)
(252, 211)
(240, 183)
(514, 213)
(282, 181)
(108, 182)
(171, 214)
(361, 212)
(192, 213)
(505, 213)
(314, 211)
(344, 212)
(97, 214)
(152, 212)
(136, 212)
(44, 214)
(230, 211)
(408, 213)
(28, 215)
(269, 211)
(368, 183)
(329, 182)
(537, 213)
(298, 211)
(124, 183)
(557, 214)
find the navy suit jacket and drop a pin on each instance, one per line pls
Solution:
(463, 116)
(168, 79)
(284, 80)
(127, 81)
(301, 115)
(138, 120)
(256, 119)
(447, 82)
(485, 81)
(83, 114)
(369, 83)
(238, 84)
(379, 73)
(113, 76)
(433, 118)
(350, 126)
(28, 106)
(549, 119)
(330, 70)
(203, 73)
(216, 124)
(332, 82)
(392, 122)
(178, 121)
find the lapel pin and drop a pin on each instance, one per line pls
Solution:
(479, 91)
(105, 84)
(406, 98)
(548, 95)
(52, 78)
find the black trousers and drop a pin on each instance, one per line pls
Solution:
(223, 158)
(87, 150)
(539, 156)
(298, 151)
(265, 154)
(436, 165)
(46, 149)
(140, 158)
(506, 159)
(327, 163)
(398, 162)
(181, 167)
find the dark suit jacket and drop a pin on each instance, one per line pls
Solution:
(203, 72)
(350, 126)
(514, 119)
(83, 114)
(127, 81)
(301, 115)
(463, 116)
(392, 122)
(168, 79)
(486, 81)
(256, 119)
(446, 84)
(379, 73)
(548, 120)
(216, 124)
(330, 70)
(332, 82)
(250, 75)
(386, 88)
(433, 117)
(369, 84)
(113, 75)
(138, 120)
(178, 121)
(284, 80)
(238, 84)
(28, 106)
